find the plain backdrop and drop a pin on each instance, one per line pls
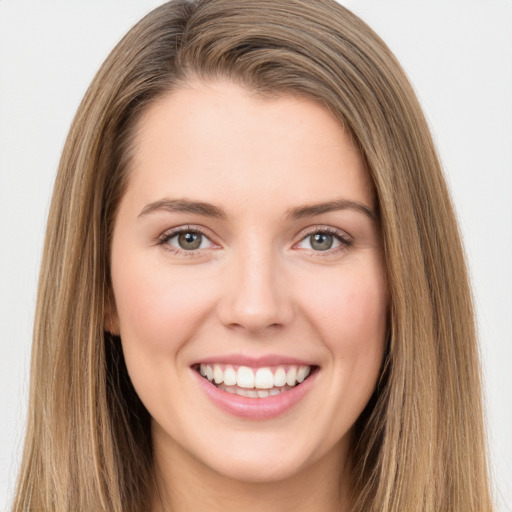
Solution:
(458, 55)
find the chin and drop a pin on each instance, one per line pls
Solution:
(257, 468)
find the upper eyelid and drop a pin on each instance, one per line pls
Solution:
(323, 229)
(183, 229)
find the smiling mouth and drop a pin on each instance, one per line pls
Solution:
(255, 382)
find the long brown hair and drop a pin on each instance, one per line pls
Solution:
(419, 445)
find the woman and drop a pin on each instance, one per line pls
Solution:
(171, 301)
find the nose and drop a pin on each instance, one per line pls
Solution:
(255, 297)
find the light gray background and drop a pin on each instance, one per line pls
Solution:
(458, 54)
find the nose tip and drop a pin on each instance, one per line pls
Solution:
(255, 317)
(256, 300)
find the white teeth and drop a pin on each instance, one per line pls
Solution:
(266, 378)
(302, 373)
(290, 376)
(229, 376)
(245, 377)
(280, 377)
(218, 374)
(251, 393)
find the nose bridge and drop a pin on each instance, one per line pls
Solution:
(257, 298)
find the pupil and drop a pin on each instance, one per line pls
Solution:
(321, 241)
(189, 241)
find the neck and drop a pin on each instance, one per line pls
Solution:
(183, 484)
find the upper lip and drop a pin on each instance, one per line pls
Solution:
(254, 362)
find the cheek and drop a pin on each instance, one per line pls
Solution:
(157, 307)
(351, 316)
(353, 307)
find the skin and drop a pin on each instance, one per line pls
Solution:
(256, 286)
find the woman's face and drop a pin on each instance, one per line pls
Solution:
(249, 284)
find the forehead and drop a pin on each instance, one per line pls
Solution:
(219, 141)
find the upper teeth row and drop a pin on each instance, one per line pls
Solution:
(261, 378)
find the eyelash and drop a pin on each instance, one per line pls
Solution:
(344, 242)
(164, 239)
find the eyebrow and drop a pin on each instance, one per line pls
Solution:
(210, 210)
(329, 206)
(184, 206)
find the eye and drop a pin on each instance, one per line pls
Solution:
(186, 240)
(324, 240)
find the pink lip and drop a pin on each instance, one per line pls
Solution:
(256, 408)
(254, 362)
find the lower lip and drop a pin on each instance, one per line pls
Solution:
(256, 408)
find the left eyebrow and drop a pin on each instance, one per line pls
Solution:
(329, 206)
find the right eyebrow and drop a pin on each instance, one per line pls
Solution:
(184, 206)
